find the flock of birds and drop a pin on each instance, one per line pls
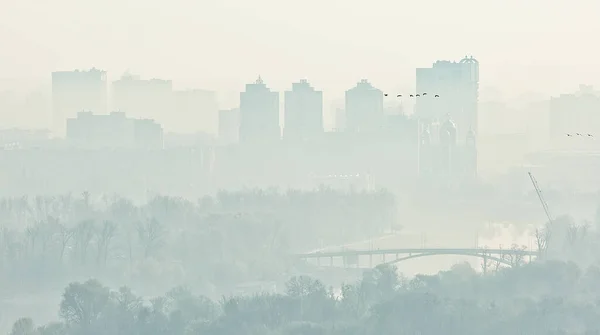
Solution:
(579, 134)
(413, 95)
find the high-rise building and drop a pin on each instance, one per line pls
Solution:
(259, 114)
(457, 85)
(303, 111)
(143, 99)
(76, 91)
(229, 126)
(194, 111)
(364, 108)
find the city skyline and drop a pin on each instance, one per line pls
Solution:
(148, 98)
(390, 103)
(299, 167)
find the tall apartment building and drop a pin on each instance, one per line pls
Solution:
(143, 99)
(457, 84)
(259, 114)
(303, 112)
(229, 126)
(364, 108)
(76, 91)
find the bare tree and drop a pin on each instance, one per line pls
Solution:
(84, 233)
(105, 234)
(23, 326)
(129, 236)
(151, 234)
(32, 233)
(572, 234)
(542, 237)
(515, 256)
(47, 232)
(584, 229)
(485, 262)
(85, 197)
(65, 235)
(496, 265)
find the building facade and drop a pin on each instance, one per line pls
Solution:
(443, 157)
(74, 92)
(259, 114)
(113, 131)
(364, 108)
(303, 112)
(143, 99)
(457, 85)
(229, 126)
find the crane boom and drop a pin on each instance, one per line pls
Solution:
(540, 196)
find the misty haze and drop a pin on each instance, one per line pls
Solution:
(304, 168)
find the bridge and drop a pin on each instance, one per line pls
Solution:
(511, 257)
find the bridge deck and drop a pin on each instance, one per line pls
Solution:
(433, 251)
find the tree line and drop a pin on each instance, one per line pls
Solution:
(549, 297)
(215, 241)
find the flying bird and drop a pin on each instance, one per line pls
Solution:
(411, 95)
(590, 135)
(569, 135)
(399, 95)
(424, 93)
(385, 95)
(436, 96)
(578, 134)
(418, 95)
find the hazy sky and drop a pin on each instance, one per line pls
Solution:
(547, 46)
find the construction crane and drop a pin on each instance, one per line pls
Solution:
(539, 193)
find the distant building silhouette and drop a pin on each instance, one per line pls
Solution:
(114, 130)
(147, 134)
(448, 147)
(143, 99)
(443, 157)
(572, 114)
(303, 112)
(229, 126)
(74, 91)
(457, 84)
(364, 108)
(470, 160)
(259, 114)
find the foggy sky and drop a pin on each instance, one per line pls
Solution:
(543, 46)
